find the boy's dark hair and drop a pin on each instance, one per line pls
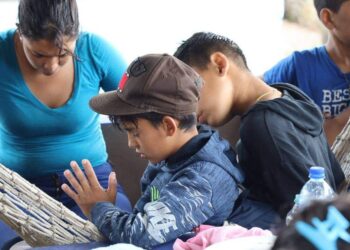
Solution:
(196, 50)
(186, 122)
(48, 19)
(290, 239)
(333, 5)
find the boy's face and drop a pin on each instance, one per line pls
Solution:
(216, 97)
(341, 21)
(148, 141)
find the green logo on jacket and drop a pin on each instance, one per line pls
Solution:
(154, 193)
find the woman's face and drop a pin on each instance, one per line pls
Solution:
(45, 57)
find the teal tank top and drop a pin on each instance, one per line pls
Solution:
(38, 140)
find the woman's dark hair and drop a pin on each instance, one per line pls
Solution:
(186, 122)
(333, 5)
(290, 239)
(48, 19)
(196, 50)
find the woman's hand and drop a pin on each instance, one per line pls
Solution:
(87, 190)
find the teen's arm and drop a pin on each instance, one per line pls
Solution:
(273, 158)
(333, 126)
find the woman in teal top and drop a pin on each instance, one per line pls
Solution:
(48, 73)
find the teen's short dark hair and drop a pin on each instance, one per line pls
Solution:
(333, 5)
(196, 50)
(48, 19)
(186, 122)
(290, 239)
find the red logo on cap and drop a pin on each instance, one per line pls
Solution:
(123, 81)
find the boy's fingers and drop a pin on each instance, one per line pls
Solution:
(73, 181)
(112, 184)
(70, 192)
(90, 174)
(80, 176)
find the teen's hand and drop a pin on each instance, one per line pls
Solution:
(87, 190)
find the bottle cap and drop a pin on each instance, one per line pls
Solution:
(316, 173)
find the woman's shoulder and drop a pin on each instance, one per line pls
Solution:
(91, 40)
(6, 36)
(7, 43)
(93, 45)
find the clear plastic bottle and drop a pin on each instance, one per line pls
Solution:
(316, 188)
(295, 209)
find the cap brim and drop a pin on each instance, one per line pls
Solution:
(109, 103)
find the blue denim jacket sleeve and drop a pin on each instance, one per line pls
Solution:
(183, 204)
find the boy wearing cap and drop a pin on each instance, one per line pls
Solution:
(281, 134)
(191, 178)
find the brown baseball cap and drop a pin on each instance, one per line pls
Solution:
(157, 83)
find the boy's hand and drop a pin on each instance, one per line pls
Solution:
(87, 190)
